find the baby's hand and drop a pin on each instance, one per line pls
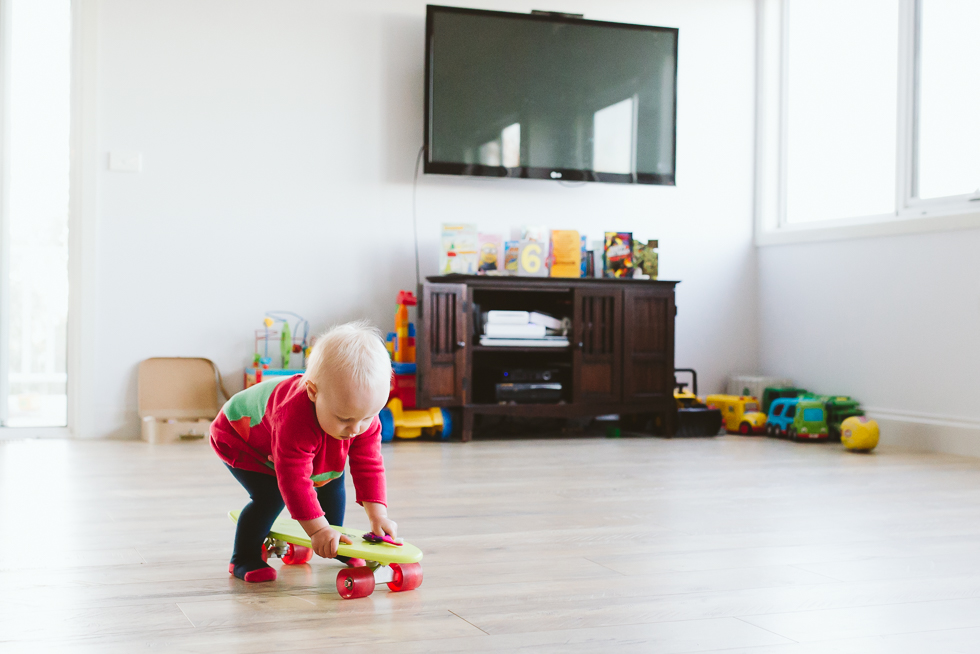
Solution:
(380, 524)
(383, 525)
(326, 541)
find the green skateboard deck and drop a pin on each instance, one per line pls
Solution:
(290, 531)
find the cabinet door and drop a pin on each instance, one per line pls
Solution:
(598, 344)
(648, 343)
(441, 346)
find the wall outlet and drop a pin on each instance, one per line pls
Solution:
(125, 162)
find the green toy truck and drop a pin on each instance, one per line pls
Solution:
(797, 418)
(837, 408)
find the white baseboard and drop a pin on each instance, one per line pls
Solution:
(19, 433)
(924, 432)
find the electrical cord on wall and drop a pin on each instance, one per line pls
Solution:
(415, 224)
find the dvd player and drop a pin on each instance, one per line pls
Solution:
(529, 392)
(515, 375)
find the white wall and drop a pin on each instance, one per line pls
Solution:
(892, 321)
(278, 141)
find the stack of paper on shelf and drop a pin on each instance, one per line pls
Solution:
(522, 329)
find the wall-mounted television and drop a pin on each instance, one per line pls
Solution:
(549, 96)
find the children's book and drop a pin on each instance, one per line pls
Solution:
(618, 254)
(645, 258)
(584, 263)
(532, 259)
(511, 250)
(566, 253)
(459, 252)
(491, 251)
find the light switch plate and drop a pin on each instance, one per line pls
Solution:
(125, 162)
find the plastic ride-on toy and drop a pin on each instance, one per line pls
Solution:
(396, 421)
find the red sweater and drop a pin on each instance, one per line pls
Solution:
(272, 428)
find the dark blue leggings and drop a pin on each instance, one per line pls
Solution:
(258, 515)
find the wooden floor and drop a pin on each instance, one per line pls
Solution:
(729, 544)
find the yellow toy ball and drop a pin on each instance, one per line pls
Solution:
(859, 434)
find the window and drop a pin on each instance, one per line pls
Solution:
(948, 101)
(34, 258)
(813, 415)
(778, 410)
(840, 117)
(791, 411)
(867, 112)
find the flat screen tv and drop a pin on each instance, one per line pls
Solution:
(549, 96)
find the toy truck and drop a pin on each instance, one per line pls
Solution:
(740, 413)
(694, 417)
(839, 408)
(797, 418)
(772, 393)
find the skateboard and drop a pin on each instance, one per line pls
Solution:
(396, 565)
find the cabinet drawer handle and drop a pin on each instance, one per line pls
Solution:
(461, 344)
(581, 345)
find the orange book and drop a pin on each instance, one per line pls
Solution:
(566, 253)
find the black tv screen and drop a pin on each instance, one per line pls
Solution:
(549, 96)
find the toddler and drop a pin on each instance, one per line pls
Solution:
(286, 441)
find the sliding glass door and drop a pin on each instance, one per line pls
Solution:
(34, 212)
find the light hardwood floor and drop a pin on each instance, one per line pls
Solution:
(728, 544)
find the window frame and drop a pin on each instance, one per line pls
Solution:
(911, 214)
(82, 213)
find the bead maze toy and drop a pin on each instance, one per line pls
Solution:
(288, 345)
(394, 563)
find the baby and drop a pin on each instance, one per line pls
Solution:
(287, 443)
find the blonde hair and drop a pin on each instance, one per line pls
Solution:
(353, 352)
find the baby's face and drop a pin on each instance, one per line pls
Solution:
(343, 410)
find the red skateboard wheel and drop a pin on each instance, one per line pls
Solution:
(407, 576)
(355, 582)
(297, 555)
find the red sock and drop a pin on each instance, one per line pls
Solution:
(262, 574)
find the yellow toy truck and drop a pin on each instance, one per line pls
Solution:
(740, 413)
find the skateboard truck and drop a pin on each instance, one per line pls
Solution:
(276, 547)
(280, 549)
(382, 573)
